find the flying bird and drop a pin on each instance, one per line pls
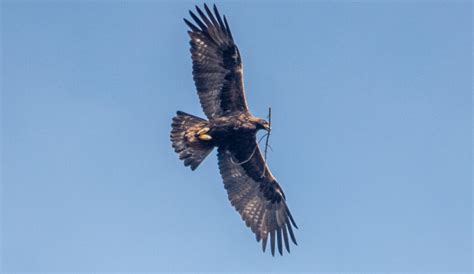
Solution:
(218, 76)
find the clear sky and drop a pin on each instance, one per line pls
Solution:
(371, 135)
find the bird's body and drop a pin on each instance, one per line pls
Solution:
(218, 75)
(235, 127)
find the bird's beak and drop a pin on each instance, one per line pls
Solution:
(267, 127)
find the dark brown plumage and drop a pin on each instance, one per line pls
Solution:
(218, 75)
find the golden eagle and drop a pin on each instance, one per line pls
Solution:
(218, 75)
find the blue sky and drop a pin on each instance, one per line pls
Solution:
(371, 135)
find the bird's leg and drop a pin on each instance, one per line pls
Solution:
(203, 130)
(202, 134)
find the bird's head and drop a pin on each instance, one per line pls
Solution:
(261, 124)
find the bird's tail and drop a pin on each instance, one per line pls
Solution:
(189, 138)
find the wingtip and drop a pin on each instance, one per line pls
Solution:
(190, 25)
(198, 9)
(291, 218)
(293, 239)
(192, 14)
(264, 244)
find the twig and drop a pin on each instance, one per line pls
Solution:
(266, 142)
(270, 147)
(251, 155)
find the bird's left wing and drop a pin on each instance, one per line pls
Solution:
(256, 195)
(217, 65)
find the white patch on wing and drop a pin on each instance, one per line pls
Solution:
(236, 174)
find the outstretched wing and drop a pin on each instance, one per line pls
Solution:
(217, 66)
(259, 200)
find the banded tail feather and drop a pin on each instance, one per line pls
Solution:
(185, 141)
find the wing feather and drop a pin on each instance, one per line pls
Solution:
(280, 246)
(259, 200)
(285, 237)
(217, 64)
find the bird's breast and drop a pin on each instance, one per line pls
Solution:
(232, 129)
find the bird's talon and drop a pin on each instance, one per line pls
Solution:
(205, 137)
(203, 131)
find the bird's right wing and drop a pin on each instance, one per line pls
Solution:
(217, 65)
(256, 195)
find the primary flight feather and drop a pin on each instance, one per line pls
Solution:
(218, 76)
